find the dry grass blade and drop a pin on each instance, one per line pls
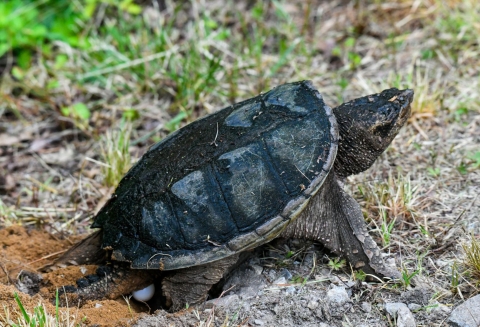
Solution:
(472, 258)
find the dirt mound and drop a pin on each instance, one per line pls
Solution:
(29, 250)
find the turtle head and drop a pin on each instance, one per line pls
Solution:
(367, 126)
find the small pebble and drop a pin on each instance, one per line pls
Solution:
(290, 290)
(337, 295)
(312, 305)
(366, 307)
(98, 305)
(440, 308)
(258, 322)
(280, 281)
(335, 280)
(258, 269)
(402, 313)
(286, 273)
(224, 301)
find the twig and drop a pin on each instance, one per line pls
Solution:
(215, 140)
(5, 271)
(47, 256)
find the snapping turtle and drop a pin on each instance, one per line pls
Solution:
(266, 167)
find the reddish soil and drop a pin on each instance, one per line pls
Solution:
(30, 250)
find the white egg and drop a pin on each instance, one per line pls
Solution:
(144, 294)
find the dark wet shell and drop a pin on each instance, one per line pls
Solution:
(230, 181)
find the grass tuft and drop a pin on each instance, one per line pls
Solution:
(472, 258)
(115, 146)
(39, 318)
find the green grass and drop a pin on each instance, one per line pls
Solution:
(116, 159)
(38, 318)
(390, 203)
(337, 264)
(472, 258)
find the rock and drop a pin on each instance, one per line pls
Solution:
(438, 311)
(246, 282)
(258, 269)
(258, 322)
(225, 301)
(337, 295)
(418, 295)
(286, 273)
(271, 274)
(290, 290)
(280, 281)
(466, 314)
(312, 305)
(414, 306)
(335, 280)
(402, 313)
(350, 283)
(308, 260)
(366, 307)
(390, 262)
(438, 308)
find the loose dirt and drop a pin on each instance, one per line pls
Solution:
(29, 250)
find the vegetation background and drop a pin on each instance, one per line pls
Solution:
(88, 85)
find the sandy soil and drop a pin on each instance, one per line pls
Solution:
(20, 250)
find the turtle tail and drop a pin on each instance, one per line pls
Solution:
(87, 251)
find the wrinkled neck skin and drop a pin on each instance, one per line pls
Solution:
(357, 148)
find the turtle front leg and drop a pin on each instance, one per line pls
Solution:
(335, 219)
(108, 282)
(191, 285)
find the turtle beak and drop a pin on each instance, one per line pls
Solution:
(405, 98)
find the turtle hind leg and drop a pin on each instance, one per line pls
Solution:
(191, 285)
(335, 219)
(109, 282)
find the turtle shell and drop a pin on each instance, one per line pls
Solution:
(224, 183)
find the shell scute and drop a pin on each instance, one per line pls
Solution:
(229, 181)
